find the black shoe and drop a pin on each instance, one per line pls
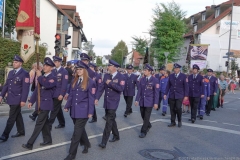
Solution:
(193, 120)
(114, 139)
(172, 125)
(32, 117)
(198, 116)
(164, 113)
(59, 126)
(27, 146)
(188, 111)
(201, 117)
(189, 119)
(45, 143)
(70, 157)
(92, 121)
(102, 145)
(18, 135)
(179, 124)
(183, 111)
(149, 128)
(142, 135)
(104, 117)
(207, 114)
(213, 109)
(85, 150)
(221, 106)
(157, 109)
(125, 115)
(3, 138)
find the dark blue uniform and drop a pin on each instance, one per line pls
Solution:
(129, 91)
(163, 85)
(16, 88)
(203, 101)
(62, 81)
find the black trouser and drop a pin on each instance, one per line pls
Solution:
(78, 134)
(209, 104)
(110, 125)
(15, 115)
(146, 113)
(57, 112)
(175, 109)
(94, 117)
(35, 114)
(42, 124)
(194, 102)
(129, 101)
(160, 100)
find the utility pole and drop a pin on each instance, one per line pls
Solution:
(230, 38)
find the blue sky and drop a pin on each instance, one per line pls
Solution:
(109, 21)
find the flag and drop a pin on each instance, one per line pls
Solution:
(28, 26)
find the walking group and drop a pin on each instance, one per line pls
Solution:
(82, 91)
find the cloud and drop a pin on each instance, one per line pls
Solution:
(109, 21)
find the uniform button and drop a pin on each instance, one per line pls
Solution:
(76, 94)
(76, 99)
(76, 103)
(11, 80)
(108, 92)
(107, 96)
(10, 84)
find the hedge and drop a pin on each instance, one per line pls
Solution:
(7, 51)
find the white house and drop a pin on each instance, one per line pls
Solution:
(212, 27)
(105, 59)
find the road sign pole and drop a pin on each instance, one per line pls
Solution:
(230, 37)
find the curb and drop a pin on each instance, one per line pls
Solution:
(22, 111)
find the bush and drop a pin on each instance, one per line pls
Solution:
(7, 51)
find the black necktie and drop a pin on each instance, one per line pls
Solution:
(14, 72)
(79, 81)
(194, 76)
(176, 75)
(146, 79)
(111, 77)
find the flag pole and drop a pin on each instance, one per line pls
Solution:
(37, 38)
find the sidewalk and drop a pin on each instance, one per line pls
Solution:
(4, 109)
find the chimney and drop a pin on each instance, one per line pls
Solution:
(213, 6)
(207, 7)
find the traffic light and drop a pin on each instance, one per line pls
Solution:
(226, 63)
(67, 37)
(57, 43)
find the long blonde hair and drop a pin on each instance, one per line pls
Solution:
(85, 79)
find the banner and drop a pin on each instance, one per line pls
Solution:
(28, 26)
(1, 13)
(200, 63)
(198, 51)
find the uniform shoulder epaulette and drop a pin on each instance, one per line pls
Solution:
(206, 80)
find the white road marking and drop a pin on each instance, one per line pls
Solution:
(232, 108)
(225, 102)
(232, 124)
(122, 129)
(210, 121)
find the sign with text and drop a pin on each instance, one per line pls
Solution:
(200, 63)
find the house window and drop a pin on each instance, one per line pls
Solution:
(195, 28)
(217, 12)
(192, 20)
(204, 16)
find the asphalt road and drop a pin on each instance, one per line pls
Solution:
(216, 137)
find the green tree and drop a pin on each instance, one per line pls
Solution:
(140, 44)
(119, 51)
(11, 15)
(92, 54)
(99, 61)
(168, 29)
(234, 67)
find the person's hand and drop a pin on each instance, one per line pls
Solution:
(65, 109)
(215, 93)
(164, 97)
(96, 102)
(108, 81)
(66, 97)
(60, 97)
(136, 103)
(155, 106)
(29, 105)
(22, 104)
(1, 99)
(208, 98)
(90, 115)
(38, 73)
(202, 96)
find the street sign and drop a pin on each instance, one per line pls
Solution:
(225, 56)
(230, 53)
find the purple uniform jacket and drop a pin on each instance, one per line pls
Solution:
(196, 86)
(177, 88)
(130, 83)
(98, 80)
(148, 92)
(62, 81)
(158, 76)
(81, 101)
(91, 73)
(113, 90)
(213, 84)
(47, 88)
(16, 87)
